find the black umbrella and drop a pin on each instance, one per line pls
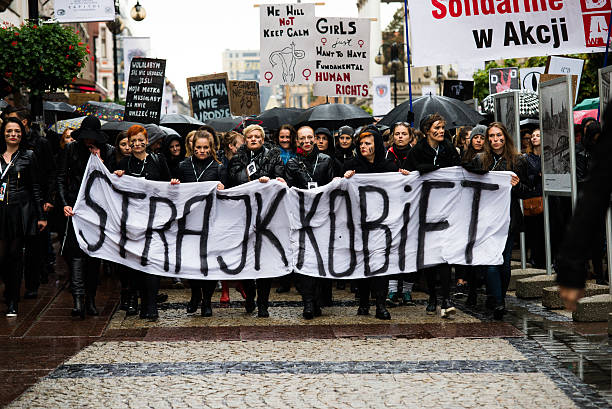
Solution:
(272, 119)
(55, 111)
(455, 112)
(112, 129)
(183, 124)
(333, 116)
(226, 124)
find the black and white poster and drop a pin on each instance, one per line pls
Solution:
(507, 114)
(555, 117)
(209, 97)
(503, 79)
(145, 89)
(605, 77)
(459, 89)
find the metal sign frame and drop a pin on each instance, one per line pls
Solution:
(516, 122)
(573, 192)
(604, 98)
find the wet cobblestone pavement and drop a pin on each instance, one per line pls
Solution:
(535, 358)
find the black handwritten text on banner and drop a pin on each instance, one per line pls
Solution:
(368, 225)
(447, 31)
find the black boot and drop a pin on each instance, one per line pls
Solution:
(263, 295)
(381, 295)
(79, 306)
(308, 289)
(308, 312)
(124, 300)
(208, 289)
(90, 306)
(249, 289)
(363, 292)
(11, 311)
(206, 308)
(132, 306)
(196, 298)
(432, 305)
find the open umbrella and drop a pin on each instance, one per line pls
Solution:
(333, 116)
(588, 103)
(529, 103)
(74, 123)
(226, 124)
(107, 111)
(183, 124)
(272, 119)
(455, 112)
(585, 113)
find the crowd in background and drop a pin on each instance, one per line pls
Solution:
(41, 176)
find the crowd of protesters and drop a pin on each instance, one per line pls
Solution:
(40, 181)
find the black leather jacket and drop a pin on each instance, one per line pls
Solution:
(22, 184)
(154, 167)
(206, 170)
(267, 161)
(45, 163)
(301, 169)
(71, 169)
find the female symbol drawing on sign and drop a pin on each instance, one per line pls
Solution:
(288, 57)
(306, 73)
(268, 76)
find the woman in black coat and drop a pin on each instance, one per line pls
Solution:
(431, 153)
(307, 170)
(371, 159)
(150, 166)
(202, 166)
(174, 151)
(21, 212)
(254, 161)
(500, 154)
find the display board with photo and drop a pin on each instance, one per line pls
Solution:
(605, 75)
(556, 135)
(506, 112)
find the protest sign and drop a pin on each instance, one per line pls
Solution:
(530, 78)
(564, 65)
(458, 89)
(371, 224)
(286, 43)
(73, 11)
(244, 98)
(381, 95)
(342, 57)
(503, 79)
(574, 81)
(452, 31)
(208, 96)
(145, 88)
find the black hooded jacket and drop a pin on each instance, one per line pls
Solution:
(45, 162)
(314, 167)
(423, 158)
(71, 169)
(399, 156)
(192, 169)
(361, 165)
(173, 161)
(267, 161)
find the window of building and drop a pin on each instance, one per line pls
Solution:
(103, 42)
(105, 82)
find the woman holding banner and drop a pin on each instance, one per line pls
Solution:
(21, 212)
(345, 148)
(254, 161)
(431, 153)
(150, 166)
(500, 154)
(309, 169)
(371, 159)
(202, 166)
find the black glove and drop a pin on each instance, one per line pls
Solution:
(473, 169)
(426, 168)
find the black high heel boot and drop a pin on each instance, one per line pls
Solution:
(132, 306)
(90, 306)
(79, 306)
(196, 297)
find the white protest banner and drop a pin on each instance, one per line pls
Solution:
(564, 65)
(376, 224)
(381, 95)
(73, 11)
(343, 57)
(134, 47)
(286, 43)
(452, 31)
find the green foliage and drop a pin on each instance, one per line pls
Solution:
(588, 82)
(397, 22)
(367, 109)
(41, 57)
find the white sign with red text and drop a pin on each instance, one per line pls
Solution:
(452, 31)
(342, 60)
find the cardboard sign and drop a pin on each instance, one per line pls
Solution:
(458, 89)
(502, 79)
(342, 57)
(208, 96)
(244, 98)
(145, 88)
(286, 43)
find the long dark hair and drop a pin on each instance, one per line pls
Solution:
(12, 120)
(292, 135)
(510, 154)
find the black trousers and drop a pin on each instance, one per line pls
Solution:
(311, 288)
(263, 289)
(36, 254)
(84, 275)
(202, 290)
(377, 286)
(431, 275)
(11, 265)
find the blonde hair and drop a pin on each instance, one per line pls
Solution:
(188, 150)
(252, 128)
(203, 134)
